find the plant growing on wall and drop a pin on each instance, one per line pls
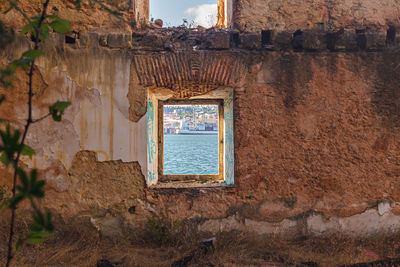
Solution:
(25, 184)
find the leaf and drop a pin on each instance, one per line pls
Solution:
(4, 204)
(57, 110)
(10, 145)
(14, 201)
(77, 4)
(44, 32)
(51, 16)
(24, 178)
(39, 218)
(4, 159)
(27, 28)
(34, 240)
(32, 53)
(23, 63)
(49, 224)
(39, 234)
(19, 244)
(35, 228)
(28, 151)
(61, 25)
(33, 177)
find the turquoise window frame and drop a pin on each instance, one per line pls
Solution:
(152, 134)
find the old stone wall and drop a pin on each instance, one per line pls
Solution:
(258, 15)
(316, 129)
(89, 16)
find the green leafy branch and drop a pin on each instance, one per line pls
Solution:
(13, 141)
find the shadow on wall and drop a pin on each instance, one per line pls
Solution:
(386, 87)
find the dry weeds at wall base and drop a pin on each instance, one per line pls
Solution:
(13, 146)
(78, 243)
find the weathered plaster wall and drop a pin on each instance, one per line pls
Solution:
(316, 134)
(88, 17)
(257, 15)
(243, 15)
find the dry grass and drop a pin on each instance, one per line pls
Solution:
(161, 243)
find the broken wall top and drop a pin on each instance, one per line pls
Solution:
(243, 15)
(88, 16)
(257, 15)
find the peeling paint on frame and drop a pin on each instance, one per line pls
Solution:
(151, 143)
(152, 134)
(229, 154)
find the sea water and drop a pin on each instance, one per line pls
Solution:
(190, 154)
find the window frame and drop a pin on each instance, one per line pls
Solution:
(154, 94)
(191, 177)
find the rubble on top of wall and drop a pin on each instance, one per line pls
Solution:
(181, 38)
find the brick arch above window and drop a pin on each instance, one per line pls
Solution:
(189, 74)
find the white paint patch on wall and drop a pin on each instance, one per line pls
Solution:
(367, 223)
(98, 119)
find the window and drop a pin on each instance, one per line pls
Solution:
(159, 170)
(190, 140)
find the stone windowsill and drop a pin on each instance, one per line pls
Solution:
(189, 184)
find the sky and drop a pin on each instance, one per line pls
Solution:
(172, 12)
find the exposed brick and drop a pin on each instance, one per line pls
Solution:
(189, 73)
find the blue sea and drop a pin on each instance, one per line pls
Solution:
(190, 154)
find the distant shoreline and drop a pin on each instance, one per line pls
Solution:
(194, 133)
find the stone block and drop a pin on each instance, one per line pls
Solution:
(159, 22)
(250, 41)
(266, 39)
(119, 40)
(217, 40)
(103, 40)
(153, 41)
(314, 40)
(297, 41)
(56, 39)
(384, 207)
(361, 39)
(89, 39)
(346, 41)
(375, 41)
(282, 40)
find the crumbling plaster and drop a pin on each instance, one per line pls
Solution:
(258, 15)
(316, 131)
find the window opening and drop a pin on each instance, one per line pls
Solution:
(190, 14)
(191, 140)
